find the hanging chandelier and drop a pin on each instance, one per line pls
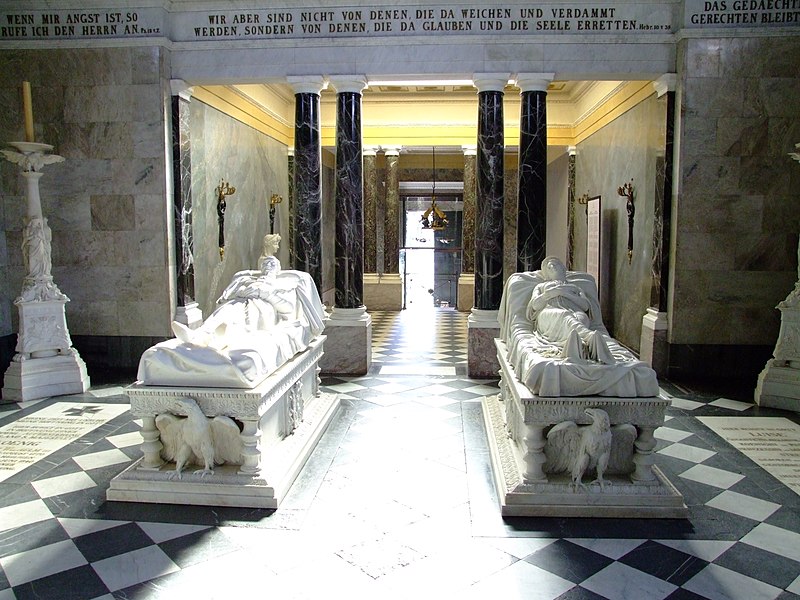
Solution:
(433, 218)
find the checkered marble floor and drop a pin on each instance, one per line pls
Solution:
(397, 502)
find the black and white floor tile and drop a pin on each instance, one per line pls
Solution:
(397, 501)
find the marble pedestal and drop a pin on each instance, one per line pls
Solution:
(779, 386)
(275, 446)
(189, 315)
(466, 292)
(45, 364)
(654, 348)
(482, 329)
(348, 350)
(383, 292)
(517, 423)
(779, 383)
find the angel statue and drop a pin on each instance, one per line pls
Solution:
(197, 439)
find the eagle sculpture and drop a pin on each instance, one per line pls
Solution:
(198, 439)
(594, 447)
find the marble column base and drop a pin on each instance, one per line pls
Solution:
(383, 292)
(348, 350)
(189, 315)
(779, 386)
(654, 348)
(482, 329)
(33, 378)
(466, 292)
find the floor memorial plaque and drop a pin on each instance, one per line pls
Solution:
(31, 438)
(771, 442)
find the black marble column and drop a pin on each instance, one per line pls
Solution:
(349, 195)
(182, 193)
(391, 220)
(532, 182)
(370, 210)
(489, 200)
(306, 241)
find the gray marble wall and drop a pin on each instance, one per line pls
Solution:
(737, 211)
(253, 163)
(104, 111)
(624, 150)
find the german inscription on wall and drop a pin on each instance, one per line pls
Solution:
(742, 13)
(620, 18)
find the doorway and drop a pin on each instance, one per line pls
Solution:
(430, 256)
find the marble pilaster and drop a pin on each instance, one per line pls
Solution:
(532, 186)
(391, 221)
(571, 208)
(306, 247)
(483, 325)
(665, 88)
(370, 209)
(466, 280)
(187, 310)
(290, 199)
(653, 344)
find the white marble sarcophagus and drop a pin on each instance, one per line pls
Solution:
(571, 432)
(239, 398)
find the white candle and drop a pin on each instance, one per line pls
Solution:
(27, 107)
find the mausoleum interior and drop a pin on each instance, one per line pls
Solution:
(329, 240)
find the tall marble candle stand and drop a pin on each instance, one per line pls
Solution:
(45, 364)
(779, 383)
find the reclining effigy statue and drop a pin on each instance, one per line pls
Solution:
(263, 318)
(557, 344)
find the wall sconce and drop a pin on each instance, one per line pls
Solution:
(583, 199)
(273, 202)
(626, 191)
(223, 190)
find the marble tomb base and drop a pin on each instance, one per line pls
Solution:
(280, 421)
(517, 424)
